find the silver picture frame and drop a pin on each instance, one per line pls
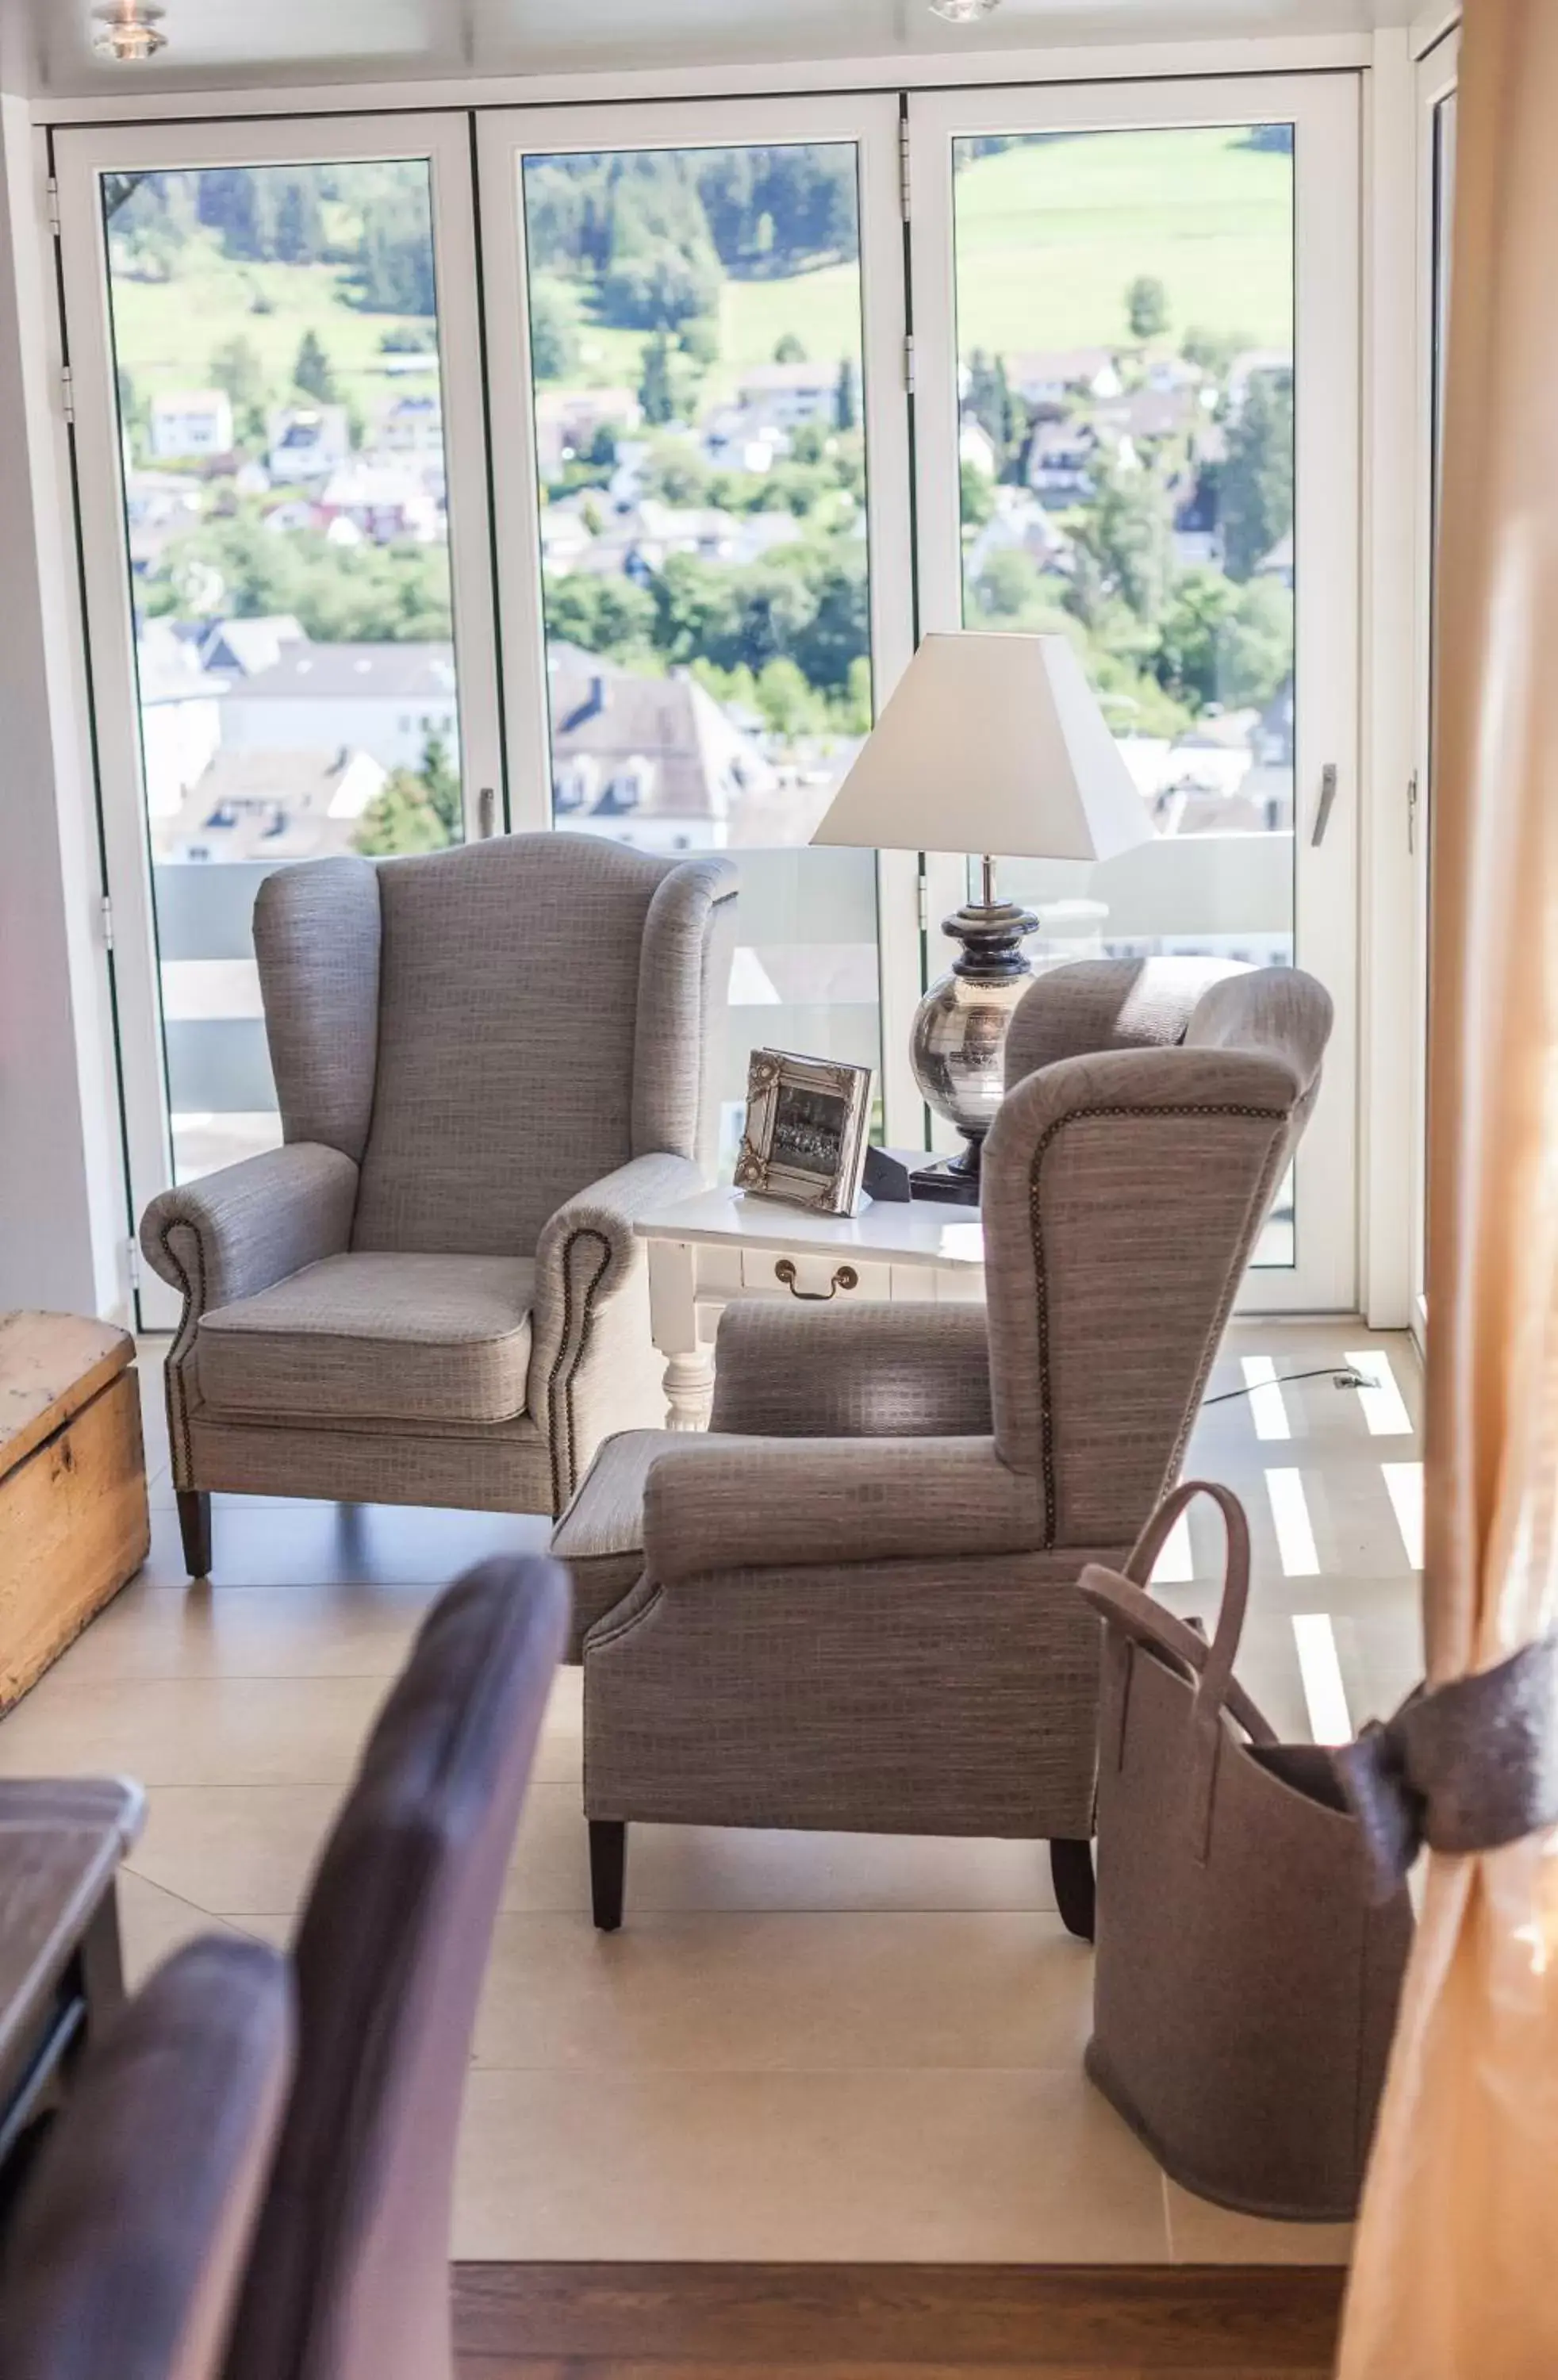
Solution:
(808, 1124)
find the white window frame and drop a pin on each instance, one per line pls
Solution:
(505, 137)
(1325, 109)
(80, 157)
(1438, 75)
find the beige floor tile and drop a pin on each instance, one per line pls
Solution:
(733, 1867)
(235, 1849)
(1201, 2233)
(192, 1730)
(256, 1541)
(265, 1631)
(967, 2165)
(155, 1923)
(728, 1993)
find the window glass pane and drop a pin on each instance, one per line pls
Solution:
(696, 348)
(1126, 353)
(281, 422)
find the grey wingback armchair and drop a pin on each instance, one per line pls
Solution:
(854, 1603)
(488, 1061)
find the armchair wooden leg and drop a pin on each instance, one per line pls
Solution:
(608, 1867)
(194, 1528)
(1071, 1866)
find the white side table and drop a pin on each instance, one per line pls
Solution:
(725, 1244)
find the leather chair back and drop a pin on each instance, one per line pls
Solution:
(349, 2275)
(129, 2241)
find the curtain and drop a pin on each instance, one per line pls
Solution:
(1455, 2266)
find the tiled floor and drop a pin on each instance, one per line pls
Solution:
(809, 2048)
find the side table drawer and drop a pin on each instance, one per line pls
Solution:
(821, 1276)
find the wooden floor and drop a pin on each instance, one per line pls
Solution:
(872, 2322)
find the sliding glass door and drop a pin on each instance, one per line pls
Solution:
(696, 342)
(1136, 425)
(279, 454)
(573, 468)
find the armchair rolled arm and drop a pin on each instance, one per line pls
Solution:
(834, 1502)
(234, 1232)
(852, 1371)
(586, 1256)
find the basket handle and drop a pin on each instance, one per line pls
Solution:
(1216, 1669)
(1124, 1597)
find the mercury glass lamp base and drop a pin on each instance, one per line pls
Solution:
(958, 1045)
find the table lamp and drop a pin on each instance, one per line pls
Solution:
(991, 744)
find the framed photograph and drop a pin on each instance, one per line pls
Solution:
(807, 1125)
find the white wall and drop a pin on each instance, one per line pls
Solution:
(62, 1221)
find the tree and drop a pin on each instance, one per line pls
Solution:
(999, 414)
(611, 616)
(1129, 533)
(977, 502)
(846, 396)
(700, 341)
(395, 258)
(415, 809)
(789, 348)
(236, 366)
(656, 396)
(1213, 351)
(311, 372)
(1010, 584)
(1226, 644)
(553, 340)
(1255, 480)
(1147, 307)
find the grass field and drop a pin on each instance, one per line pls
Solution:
(165, 331)
(1050, 236)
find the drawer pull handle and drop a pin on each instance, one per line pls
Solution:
(844, 1278)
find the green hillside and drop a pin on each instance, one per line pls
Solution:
(1051, 234)
(167, 332)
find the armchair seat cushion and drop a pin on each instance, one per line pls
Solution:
(376, 1337)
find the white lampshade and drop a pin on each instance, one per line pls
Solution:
(991, 744)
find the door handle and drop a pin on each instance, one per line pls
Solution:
(1327, 802)
(487, 812)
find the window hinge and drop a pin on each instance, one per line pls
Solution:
(908, 364)
(924, 890)
(106, 917)
(67, 391)
(904, 165)
(50, 199)
(132, 1262)
(1412, 813)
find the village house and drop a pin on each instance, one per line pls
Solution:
(788, 395)
(192, 425)
(306, 442)
(652, 761)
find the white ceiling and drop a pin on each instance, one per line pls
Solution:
(232, 44)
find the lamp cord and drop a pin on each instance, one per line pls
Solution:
(1344, 1378)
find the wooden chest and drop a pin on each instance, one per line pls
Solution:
(74, 1524)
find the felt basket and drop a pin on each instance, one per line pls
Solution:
(1246, 1983)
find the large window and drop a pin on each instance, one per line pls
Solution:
(581, 475)
(715, 488)
(1138, 351)
(284, 630)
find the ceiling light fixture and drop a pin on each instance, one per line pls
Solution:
(130, 32)
(963, 12)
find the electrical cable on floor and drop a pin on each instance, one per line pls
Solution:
(1344, 1377)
